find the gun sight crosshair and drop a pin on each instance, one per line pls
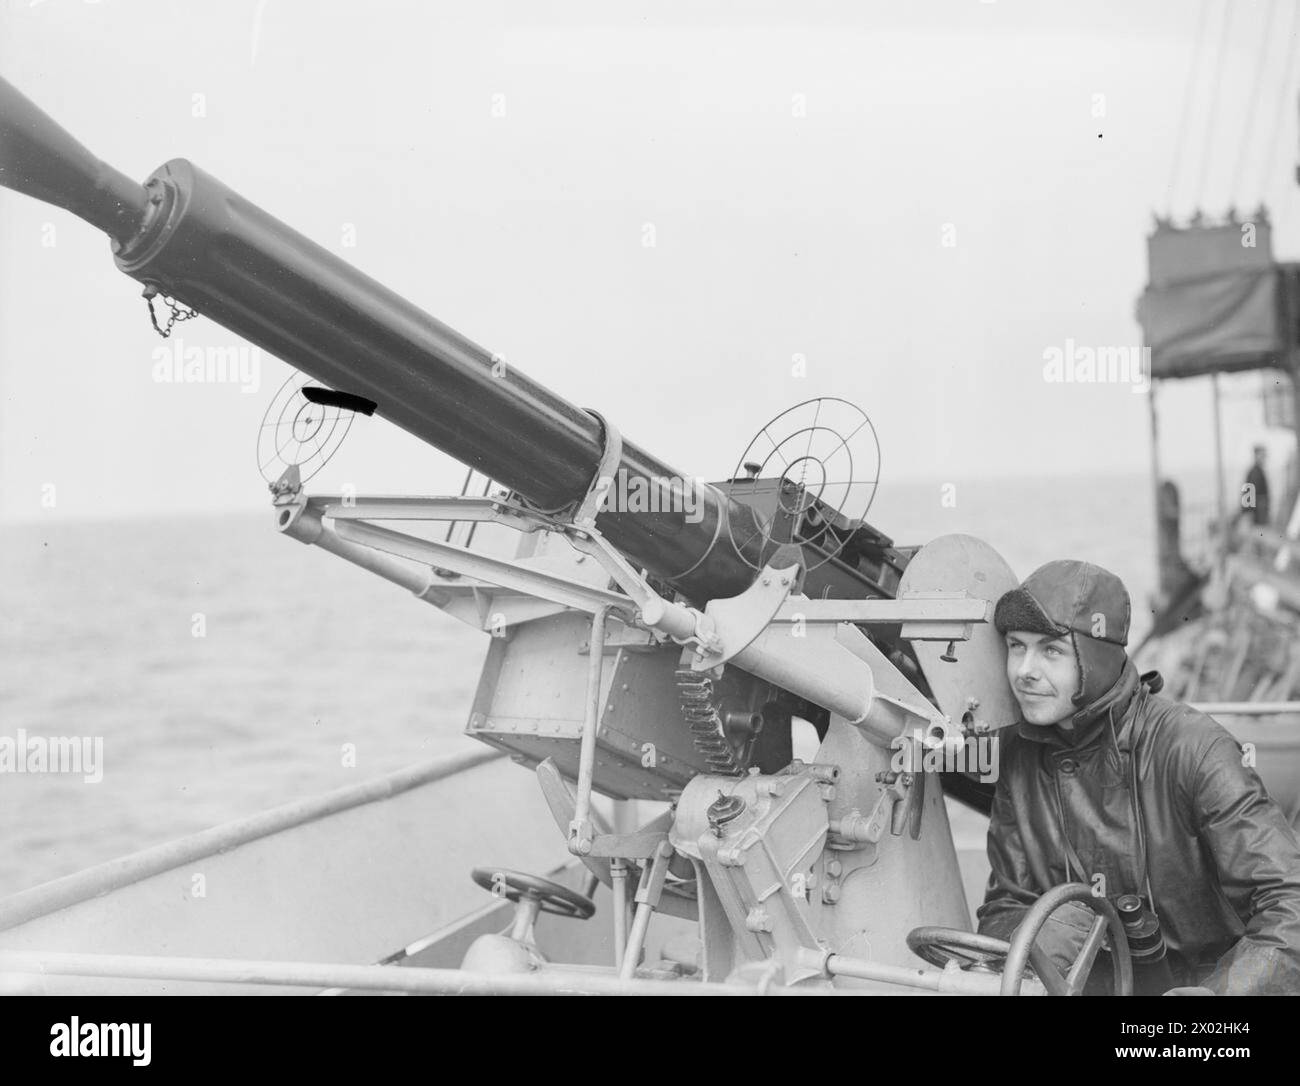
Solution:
(827, 457)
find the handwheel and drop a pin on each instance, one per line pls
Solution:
(550, 896)
(939, 946)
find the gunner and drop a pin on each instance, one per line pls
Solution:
(1107, 783)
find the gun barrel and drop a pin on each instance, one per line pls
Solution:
(41, 159)
(193, 238)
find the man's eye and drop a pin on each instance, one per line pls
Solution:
(1052, 650)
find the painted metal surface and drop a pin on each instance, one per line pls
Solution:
(968, 682)
(380, 978)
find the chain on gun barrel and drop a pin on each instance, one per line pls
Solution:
(191, 237)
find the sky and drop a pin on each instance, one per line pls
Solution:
(687, 216)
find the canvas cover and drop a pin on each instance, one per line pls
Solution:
(1216, 300)
(1214, 324)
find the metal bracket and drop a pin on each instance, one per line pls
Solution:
(610, 457)
(287, 488)
(685, 625)
(929, 616)
(738, 620)
(899, 806)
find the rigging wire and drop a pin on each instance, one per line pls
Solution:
(1270, 147)
(1253, 106)
(1211, 111)
(1187, 107)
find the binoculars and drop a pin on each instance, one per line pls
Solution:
(1146, 943)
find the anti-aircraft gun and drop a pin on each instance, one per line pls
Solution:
(651, 650)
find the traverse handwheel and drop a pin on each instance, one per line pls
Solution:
(550, 896)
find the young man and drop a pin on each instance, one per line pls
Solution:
(1221, 865)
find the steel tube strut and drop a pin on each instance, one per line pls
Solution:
(376, 978)
(580, 830)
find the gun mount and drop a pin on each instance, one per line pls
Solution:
(637, 654)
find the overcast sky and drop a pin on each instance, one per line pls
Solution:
(801, 167)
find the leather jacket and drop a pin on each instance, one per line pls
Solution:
(1222, 860)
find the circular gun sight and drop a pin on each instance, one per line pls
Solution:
(824, 457)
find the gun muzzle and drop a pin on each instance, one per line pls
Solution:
(41, 159)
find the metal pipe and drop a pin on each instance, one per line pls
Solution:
(839, 966)
(618, 884)
(932, 980)
(636, 939)
(1247, 708)
(103, 879)
(376, 978)
(580, 833)
(525, 917)
(503, 572)
(1153, 418)
(1220, 488)
(304, 525)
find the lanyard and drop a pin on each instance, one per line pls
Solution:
(1141, 827)
(1135, 806)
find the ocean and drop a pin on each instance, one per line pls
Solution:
(228, 669)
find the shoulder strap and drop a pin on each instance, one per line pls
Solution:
(1072, 857)
(1143, 871)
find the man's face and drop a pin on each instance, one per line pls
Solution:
(1044, 674)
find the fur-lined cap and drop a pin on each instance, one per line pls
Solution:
(1068, 595)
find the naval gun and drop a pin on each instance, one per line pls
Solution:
(654, 653)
